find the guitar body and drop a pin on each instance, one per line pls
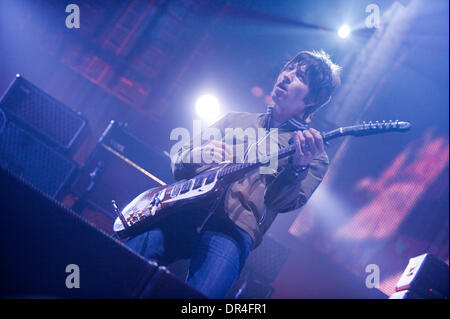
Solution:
(156, 204)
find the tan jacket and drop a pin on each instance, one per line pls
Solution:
(253, 202)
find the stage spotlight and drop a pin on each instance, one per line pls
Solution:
(344, 31)
(207, 107)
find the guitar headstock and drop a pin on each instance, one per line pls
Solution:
(378, 127)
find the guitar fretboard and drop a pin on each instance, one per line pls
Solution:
(356, 130)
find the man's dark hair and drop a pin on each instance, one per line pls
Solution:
(322, 77)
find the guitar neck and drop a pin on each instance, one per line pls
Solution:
(356, 130)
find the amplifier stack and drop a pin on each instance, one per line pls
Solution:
(36, 134)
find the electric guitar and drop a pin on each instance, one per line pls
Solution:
(204, 190)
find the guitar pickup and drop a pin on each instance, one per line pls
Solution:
(198, 182)
(186, 187)
(175, 190)
(154, 197)
(210, 178)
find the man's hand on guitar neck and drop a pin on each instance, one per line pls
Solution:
(308, 145)
(212, 152)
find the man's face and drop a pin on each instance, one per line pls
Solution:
(289, 92)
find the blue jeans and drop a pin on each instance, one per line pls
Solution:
(216, 255)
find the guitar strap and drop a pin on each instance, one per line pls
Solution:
(293, 124)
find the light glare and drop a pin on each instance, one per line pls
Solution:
(344, 31)
(207, 107)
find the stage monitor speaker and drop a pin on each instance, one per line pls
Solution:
(39, 112)
(267, 259)
(250, 286)
(426, 276)
(25, 155)
(262, 266)
(48, 251)
(404, 294)
(120, 168)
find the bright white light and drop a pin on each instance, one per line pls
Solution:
(207, 107)
(344, 31)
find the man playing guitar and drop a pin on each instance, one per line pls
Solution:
(218, 251)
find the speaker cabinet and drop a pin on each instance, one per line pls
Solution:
(120, 168)
(54, 122)
(28, 157)
(48, 251)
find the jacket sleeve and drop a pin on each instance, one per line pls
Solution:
(287, 192)
(181, 164)
(182, 168)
